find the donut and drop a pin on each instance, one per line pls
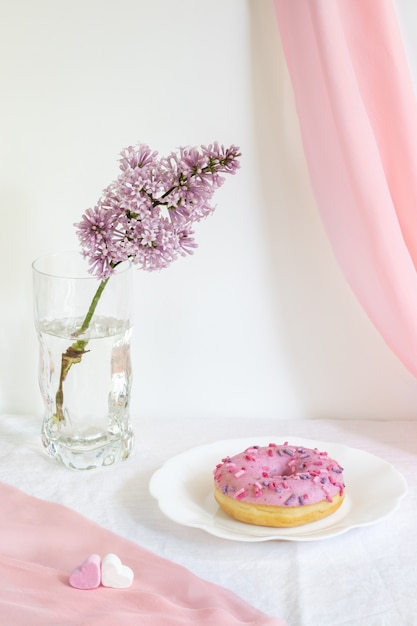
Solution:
(279, 485)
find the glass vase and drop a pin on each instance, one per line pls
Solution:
(84, 332)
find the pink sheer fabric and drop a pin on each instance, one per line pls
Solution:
(358, 120)
(42, 542)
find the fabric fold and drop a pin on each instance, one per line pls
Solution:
(40, 544)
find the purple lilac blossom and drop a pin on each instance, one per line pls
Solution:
(147, 214)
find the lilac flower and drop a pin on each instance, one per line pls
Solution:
(146, 215)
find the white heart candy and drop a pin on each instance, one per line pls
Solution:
(114, 573)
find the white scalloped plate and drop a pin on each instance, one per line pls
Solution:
(183, 487)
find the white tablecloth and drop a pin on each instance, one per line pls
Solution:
(364, 577)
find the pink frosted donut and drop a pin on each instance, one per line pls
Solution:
(279, 485)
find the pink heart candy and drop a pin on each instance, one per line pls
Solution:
(88, 574)
(114, 573)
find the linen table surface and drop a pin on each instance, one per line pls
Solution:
(366, 576)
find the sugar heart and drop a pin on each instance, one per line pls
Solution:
(114, 573)
(88, 574)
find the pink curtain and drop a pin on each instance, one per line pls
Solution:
(358, 120)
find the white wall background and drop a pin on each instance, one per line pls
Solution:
(259, 322)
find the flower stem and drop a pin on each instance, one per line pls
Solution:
(93, 306)
(74, 353)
